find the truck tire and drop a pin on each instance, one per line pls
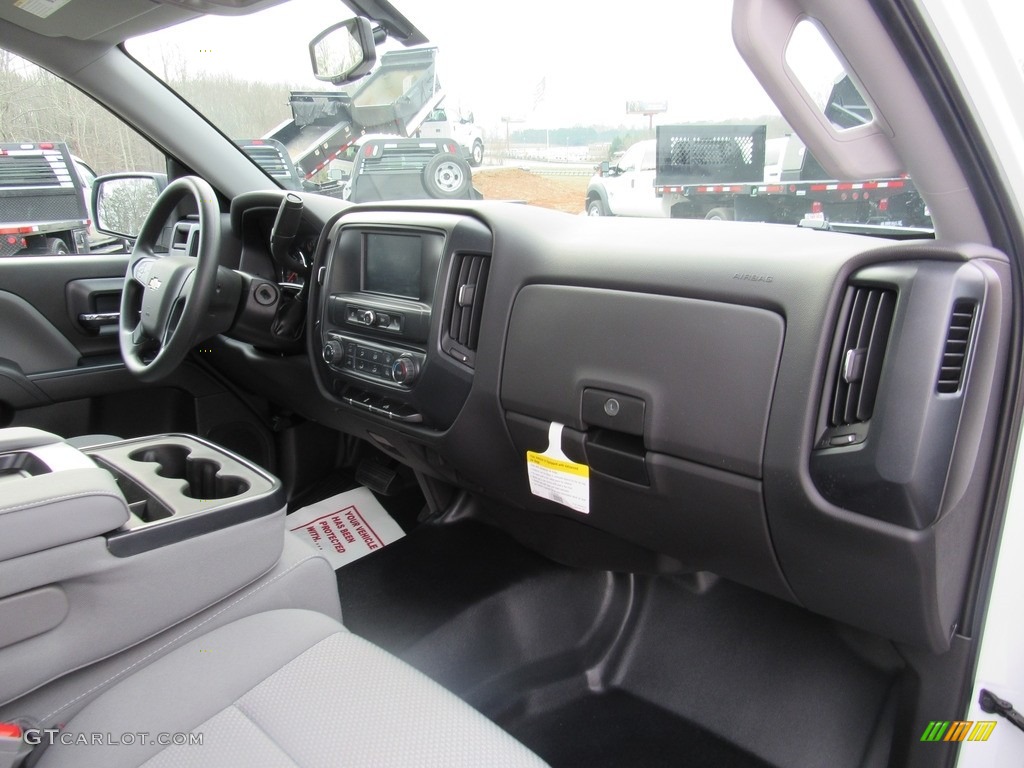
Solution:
(447, 177)
(721, 214)
(56, 247)
(476, 156)
(595, 207)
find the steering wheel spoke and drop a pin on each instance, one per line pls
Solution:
(137, 343)
(171, 324)
(139, 267)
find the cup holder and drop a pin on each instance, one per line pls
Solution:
(172, 459)
(202, 477)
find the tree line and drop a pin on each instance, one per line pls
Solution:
(37, 106)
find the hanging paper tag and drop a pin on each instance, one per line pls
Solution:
(554, 476)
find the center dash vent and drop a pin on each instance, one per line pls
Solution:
(954, 354)
(465, 306)
(865, 335)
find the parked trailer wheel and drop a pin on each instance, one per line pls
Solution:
(721, 214)
(476, 156)
(55, 246)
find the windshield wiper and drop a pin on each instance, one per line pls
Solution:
(874, 230)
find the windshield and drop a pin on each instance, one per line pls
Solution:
(596, 125)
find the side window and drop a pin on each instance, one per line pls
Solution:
(631, 160)
(85, 173)
(52, 137)
(650, 161)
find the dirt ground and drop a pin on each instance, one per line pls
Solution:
(563, 193)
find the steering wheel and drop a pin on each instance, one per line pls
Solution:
(166, 296)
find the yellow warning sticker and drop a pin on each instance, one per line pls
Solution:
(557, 465)
(554, 476)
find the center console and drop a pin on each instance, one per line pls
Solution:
(397, 314)
(105, 546)
(113, 553)
(180, 486)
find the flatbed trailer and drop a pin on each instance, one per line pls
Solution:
(42, 204)
(885, 202)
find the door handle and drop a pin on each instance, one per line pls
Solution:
(96, 320)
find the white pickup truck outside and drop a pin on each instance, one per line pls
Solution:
(627, 188)
(439, 124)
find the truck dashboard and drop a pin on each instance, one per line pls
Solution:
(785, 434)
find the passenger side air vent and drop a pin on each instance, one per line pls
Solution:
(465, 306)
(954, 354)
(866, 325)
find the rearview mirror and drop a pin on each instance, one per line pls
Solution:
(343, 52)
(122, 201)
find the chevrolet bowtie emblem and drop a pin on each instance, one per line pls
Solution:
(154, 283)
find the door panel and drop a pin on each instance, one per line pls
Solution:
(66, 376)
(32, 343)
(47, 354)
(43, 283)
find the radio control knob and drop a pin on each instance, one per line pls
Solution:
(405, 370)
(366, 316)
(333, 352)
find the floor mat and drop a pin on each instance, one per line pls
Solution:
(346, 526)
(617, 730)
(421, 582)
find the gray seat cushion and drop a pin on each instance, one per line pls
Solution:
(283, 688)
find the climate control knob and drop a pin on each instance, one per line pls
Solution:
(333, 352)
(405, 370)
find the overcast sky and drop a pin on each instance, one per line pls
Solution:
(494, 57)
(584, 62)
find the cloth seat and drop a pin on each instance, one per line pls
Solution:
(282, 688)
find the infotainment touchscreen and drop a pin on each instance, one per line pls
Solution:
(392, 264)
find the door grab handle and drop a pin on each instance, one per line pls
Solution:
(95, 320)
